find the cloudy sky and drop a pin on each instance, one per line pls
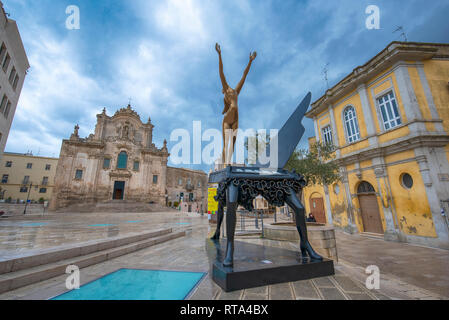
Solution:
(161, 55)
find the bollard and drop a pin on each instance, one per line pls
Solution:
(257, 220)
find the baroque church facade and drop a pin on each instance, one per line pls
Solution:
(119, 161)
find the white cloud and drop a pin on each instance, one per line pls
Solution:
(56, 92)
(169, 68)
(182, 19)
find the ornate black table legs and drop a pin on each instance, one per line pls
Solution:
(291, 199)
(220, 214)
(232, 193)
(231, 209)
(294, 203)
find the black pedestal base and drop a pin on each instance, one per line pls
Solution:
(257, 265)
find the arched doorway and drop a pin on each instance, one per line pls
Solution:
(317, 208)
(369, 208)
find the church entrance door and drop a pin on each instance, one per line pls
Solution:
(119, 190)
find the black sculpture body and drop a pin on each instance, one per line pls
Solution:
(241, 185)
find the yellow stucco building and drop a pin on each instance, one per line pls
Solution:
(389, 122)
(20, 171)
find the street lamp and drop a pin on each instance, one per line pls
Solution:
(28, 197)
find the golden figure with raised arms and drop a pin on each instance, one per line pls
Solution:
(231, 109)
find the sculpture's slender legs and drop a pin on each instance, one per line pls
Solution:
(231, 208)
(219, 221)
(293, 201)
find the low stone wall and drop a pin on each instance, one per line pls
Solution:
(321, 237)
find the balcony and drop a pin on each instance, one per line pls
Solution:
(190, 187)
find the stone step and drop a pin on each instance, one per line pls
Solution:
(248, 233)
(372, 235)
(114, 206)
(18, 279)
(46, 256)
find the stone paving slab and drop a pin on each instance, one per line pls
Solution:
(426, 268)
(348, 285)
(188, 254)
(359, 296)
(305, 290)
(391, 288)
(19, 237)
(331, 294)
(234, 295)
(281, 291)
(260, 293)
(323, 282)
(25, 277)
(15, 262)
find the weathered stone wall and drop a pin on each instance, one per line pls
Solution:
(177, 183)
(322, 238)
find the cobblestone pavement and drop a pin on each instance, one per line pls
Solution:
(424, 267)
(188, 254)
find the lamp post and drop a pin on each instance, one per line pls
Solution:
(28, 197)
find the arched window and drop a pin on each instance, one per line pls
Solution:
(122, 161)
(351, 124)
(365, 187)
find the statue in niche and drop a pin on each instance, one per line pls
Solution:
(125, 132)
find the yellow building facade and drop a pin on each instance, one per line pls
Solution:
(25, 176)
(389, 123)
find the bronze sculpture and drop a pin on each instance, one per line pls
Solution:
(240, 186)
(231, 109)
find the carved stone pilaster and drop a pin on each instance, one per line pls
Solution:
(425, 171)
(380, 172)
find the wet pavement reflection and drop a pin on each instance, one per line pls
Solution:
(22, 237)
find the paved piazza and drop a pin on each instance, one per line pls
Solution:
(18, 237)
(22, 237)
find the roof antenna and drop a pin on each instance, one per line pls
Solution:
(325, 72)
(401, 29)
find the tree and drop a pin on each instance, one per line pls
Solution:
(315, 164)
